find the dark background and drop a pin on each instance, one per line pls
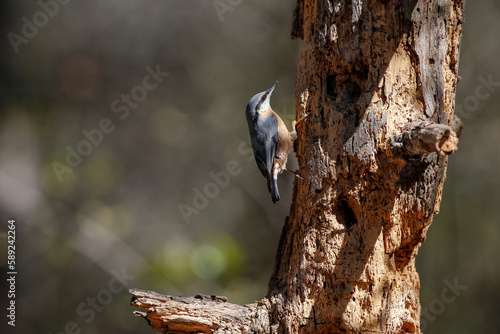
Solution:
(119, 208)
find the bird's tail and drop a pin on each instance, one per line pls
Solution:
(275, 195)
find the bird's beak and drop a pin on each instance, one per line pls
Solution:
(270, 90)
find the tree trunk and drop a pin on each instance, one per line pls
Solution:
(377, 79)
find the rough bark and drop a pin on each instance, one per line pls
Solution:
(423, 136)
(199, 314)
(377, 79)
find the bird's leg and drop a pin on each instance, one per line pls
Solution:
(300, 120)
(294, 173)
(293, 134)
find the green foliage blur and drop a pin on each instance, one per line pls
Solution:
(160, 191)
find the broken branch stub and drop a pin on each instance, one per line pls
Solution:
(199, 314)
(424, 136)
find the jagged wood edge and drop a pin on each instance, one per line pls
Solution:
(422, 136)
(199, 314)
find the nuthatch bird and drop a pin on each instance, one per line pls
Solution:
(271, 141)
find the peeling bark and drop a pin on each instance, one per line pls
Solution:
(377, 79)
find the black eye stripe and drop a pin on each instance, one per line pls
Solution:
(262, 99)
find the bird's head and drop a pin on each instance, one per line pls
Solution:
(260, 102)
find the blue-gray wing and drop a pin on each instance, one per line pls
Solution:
(265, 143)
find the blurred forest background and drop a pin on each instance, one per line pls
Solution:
(118, 211)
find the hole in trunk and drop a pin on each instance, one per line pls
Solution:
(331, 86)
(344, 214)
